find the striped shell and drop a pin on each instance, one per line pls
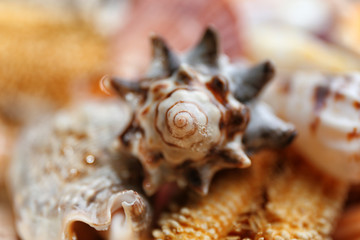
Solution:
(192, 112)
(326, 111)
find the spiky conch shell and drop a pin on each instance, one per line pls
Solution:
(191, 115)
(68, 179)
(325, 109)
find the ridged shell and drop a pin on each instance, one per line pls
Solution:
(67, 176)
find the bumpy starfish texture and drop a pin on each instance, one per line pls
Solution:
(192, 115)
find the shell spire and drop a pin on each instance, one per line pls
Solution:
(189, 123)
(164, 61)
(206, 51)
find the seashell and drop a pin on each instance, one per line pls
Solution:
(191, 114)
(68, 176)
(325, 110)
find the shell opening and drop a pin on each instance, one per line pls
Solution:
(118, 229)
(83, 231)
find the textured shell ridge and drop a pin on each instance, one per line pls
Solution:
(80, 179)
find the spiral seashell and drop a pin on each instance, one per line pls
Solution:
(191, 113)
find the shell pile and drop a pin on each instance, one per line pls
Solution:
(196, 113)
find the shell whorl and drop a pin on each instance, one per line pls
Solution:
(188, 120)
(191, 115)
(184, 120)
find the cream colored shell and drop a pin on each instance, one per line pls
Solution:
(186, 123)
(326, 111)
(67, 173)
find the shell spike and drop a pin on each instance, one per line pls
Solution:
(250, 84)
(205, 182)
(237, 158)
(164, 61)
(266, 130)
(206, 51)
(123, 87)
(185, 75)
(200, 179)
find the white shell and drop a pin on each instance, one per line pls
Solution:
(67, 170)
(326, 112)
